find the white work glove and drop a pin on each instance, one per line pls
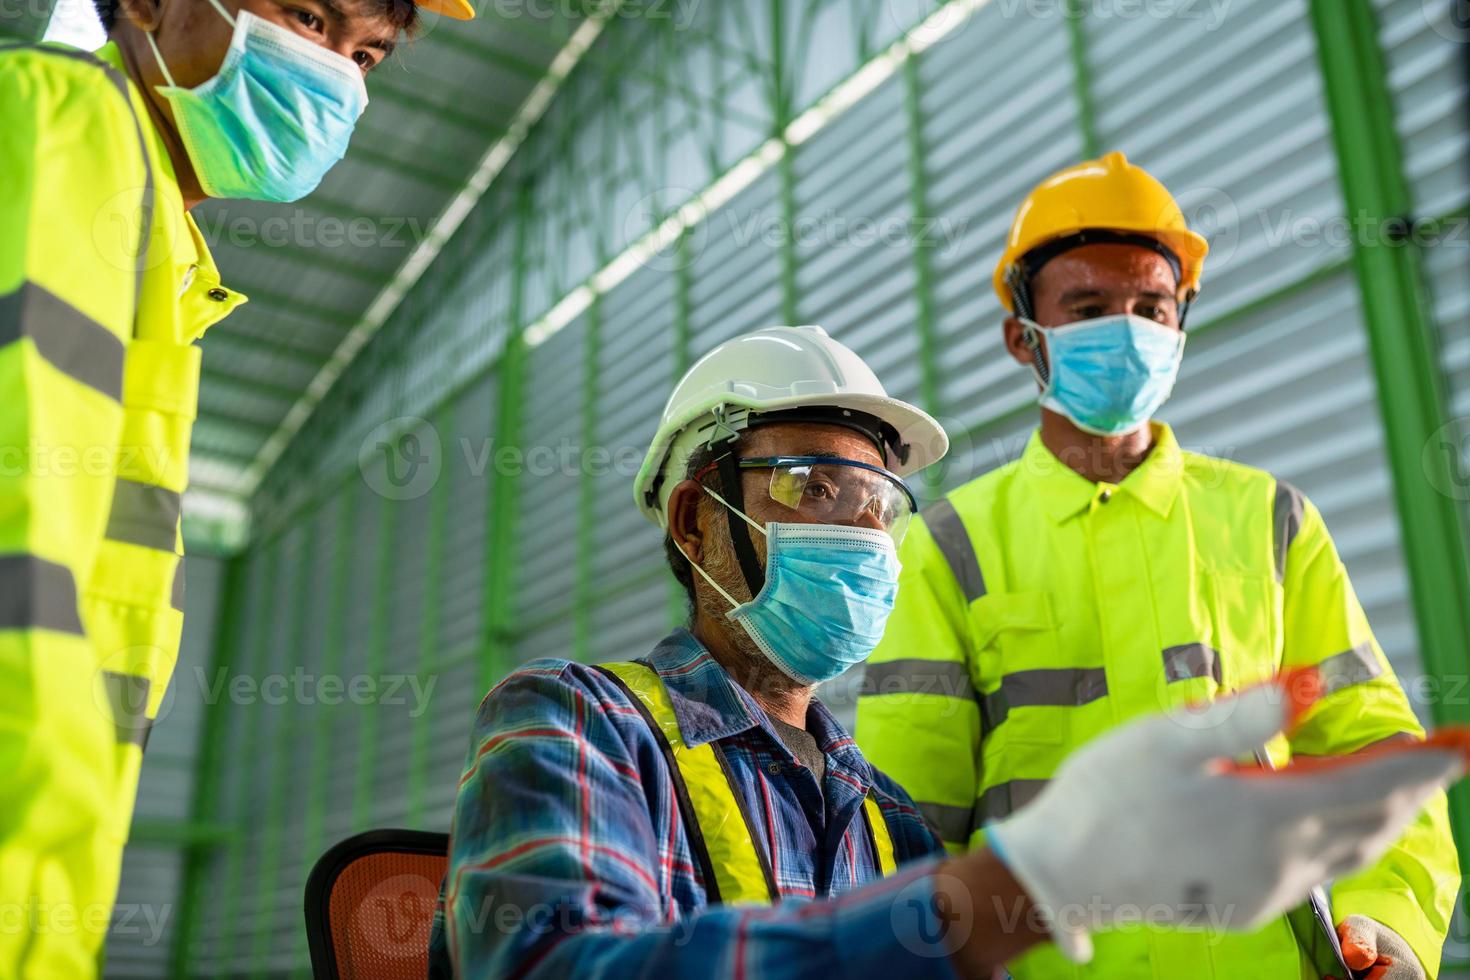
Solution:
(1153, 823)
(1372, 946)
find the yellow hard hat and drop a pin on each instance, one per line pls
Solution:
(1105, 195)
(456, 9)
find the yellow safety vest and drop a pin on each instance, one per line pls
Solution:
(105, 282)
(724, 847)
(1037, 609)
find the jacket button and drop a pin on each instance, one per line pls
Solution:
(774, 769)
(1106, 496)
(218, 295)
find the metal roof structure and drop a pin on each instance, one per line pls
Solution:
(446, 111)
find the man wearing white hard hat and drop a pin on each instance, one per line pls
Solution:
(697, 811)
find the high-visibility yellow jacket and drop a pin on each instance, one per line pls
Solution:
(1037, 609)
(105, 282)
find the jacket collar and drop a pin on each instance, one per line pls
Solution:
(1063, 493)
(199, 282)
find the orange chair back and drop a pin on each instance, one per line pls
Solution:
(370, 905)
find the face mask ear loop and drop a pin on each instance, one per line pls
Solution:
(713, 584)
(168, 76)
(734, 510)
(229, 17)
(705, 575)
(750, 565)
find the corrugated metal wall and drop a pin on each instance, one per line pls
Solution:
(504, 529)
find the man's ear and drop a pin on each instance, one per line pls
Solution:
(683, 513)
(1016, 345)
(145, 15)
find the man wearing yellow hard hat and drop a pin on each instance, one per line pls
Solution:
(1108, 573)
(105, 282)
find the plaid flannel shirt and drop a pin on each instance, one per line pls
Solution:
(568, 856)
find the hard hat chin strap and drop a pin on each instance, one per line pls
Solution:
(728, 468)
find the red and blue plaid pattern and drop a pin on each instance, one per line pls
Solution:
(568, 856)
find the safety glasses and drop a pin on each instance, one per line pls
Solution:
(832, 490)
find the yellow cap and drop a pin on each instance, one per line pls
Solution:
(456, 9)
(1107, 194)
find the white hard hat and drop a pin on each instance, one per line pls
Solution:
(775, 369)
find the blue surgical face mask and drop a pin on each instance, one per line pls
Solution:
(829, 589)
(1108, 375)
(275, 118)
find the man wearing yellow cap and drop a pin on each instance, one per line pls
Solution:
(1108, 573)
(105, 282)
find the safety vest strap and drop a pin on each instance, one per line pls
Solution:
(882, 839)
(735, 868)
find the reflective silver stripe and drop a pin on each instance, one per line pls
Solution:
(1057, 687)
(176, 598)
(120, 82)
(128, 694)
(951, 823)
(1191, 660)
(37, 594)
(1355, 666)
(1286, 522)
(1003, 799)
(912, 676)
(953, 539)
(145, 515)
(76, 345)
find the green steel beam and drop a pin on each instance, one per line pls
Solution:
(1405, 350)
(780, 107)
(211, 769)
(438, 532)
(275, 816)
(500, 571)
(367, 746)
(333, 644)
(248, 751)
(924, 317)
(175, 835)
(1073, 14)
(587, 488)
(205, 804)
